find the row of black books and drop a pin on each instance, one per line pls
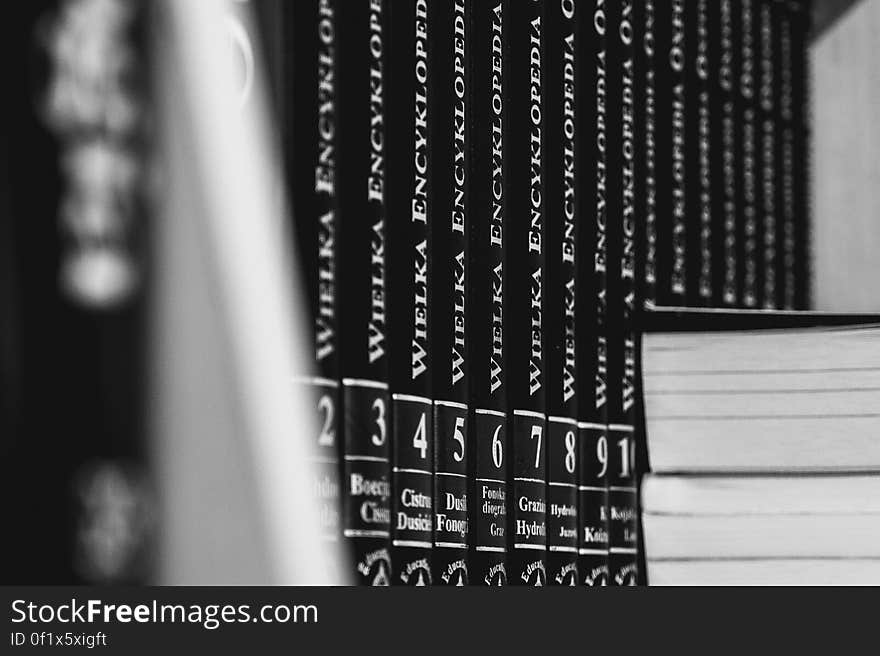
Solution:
(726, 167)
(485, 198)
(486, 195)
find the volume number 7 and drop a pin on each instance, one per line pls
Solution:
(537, 431)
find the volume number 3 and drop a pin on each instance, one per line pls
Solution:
(379, 437)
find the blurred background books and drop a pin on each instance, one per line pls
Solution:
(152, 328)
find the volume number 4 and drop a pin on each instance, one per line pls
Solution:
(420, 441)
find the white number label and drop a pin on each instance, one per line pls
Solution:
(536, 434)
(379, 438)
(570, 460)
(624, 457)
(328, 435)
(602, 455)
(419, 439)
(459, 437)
(497, 449)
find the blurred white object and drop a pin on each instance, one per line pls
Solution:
(233, 438)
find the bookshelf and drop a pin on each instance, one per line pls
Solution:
(224, 432)
(842, 58)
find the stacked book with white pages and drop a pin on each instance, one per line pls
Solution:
(764, 450)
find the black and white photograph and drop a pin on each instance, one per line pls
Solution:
(303, 294)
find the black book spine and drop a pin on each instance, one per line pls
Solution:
(361, 77)
(527, 480)
(747, 156)
(488, 288)
(725, 131)
(451, 107)
(768, 132)
(563, 213)
(701, 148)
(411, 285)
(801, 23)
(310, 135)
(646, 92)
(672, 239)
(592, 306)
(785, 154)
(645, 187)
(623, 496)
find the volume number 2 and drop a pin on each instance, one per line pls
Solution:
(328, 434)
